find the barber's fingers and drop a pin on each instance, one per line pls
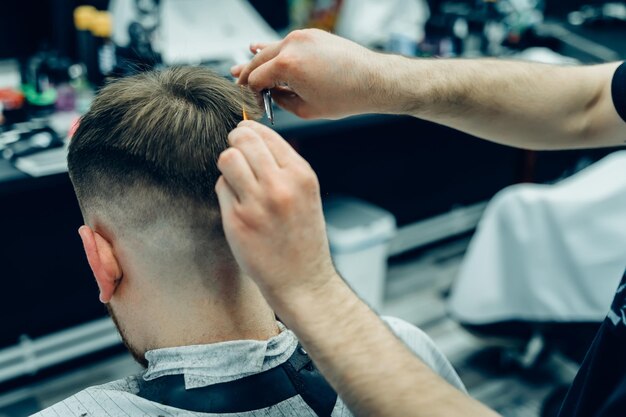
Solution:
(226, 197)
(283, 153)
(237, 173)
(268, 53)
(255, 150)
(235, 70)
(268, 75)
(258, 46)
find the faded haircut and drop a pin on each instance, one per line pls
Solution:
(154, 139)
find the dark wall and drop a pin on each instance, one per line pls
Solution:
(275, 12)
(28, 25)
(46, 281)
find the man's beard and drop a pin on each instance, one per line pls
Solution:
(137, 355)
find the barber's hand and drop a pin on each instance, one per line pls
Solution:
(318, 75)
(272, 213)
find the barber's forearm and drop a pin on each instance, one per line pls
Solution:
(343, 335)
(514, 103)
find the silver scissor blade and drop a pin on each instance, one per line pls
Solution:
(269, 109)
(267, 100)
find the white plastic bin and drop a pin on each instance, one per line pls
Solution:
(359, 235)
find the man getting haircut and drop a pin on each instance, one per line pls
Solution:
(143, 163)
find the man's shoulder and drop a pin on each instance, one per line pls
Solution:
(411, 335)
(94, 401)
(425, 348)
(400, 326)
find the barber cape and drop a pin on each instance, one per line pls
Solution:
(206, 365)
(548, 252)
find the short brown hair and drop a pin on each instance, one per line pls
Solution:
(162, 130)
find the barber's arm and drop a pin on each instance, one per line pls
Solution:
(272, 214)
(536, 106)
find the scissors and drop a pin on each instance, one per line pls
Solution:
(267, 102)
(269, 108)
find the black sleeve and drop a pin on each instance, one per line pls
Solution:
(618, 89)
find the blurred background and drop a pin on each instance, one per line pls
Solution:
(401, 213)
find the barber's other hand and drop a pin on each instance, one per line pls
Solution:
(272, 213)
(317, 75)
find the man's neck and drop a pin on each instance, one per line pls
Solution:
(197, 317)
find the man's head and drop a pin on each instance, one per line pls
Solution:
(159, 131)
(143, 165)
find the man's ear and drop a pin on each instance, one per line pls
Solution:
(106, 269)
